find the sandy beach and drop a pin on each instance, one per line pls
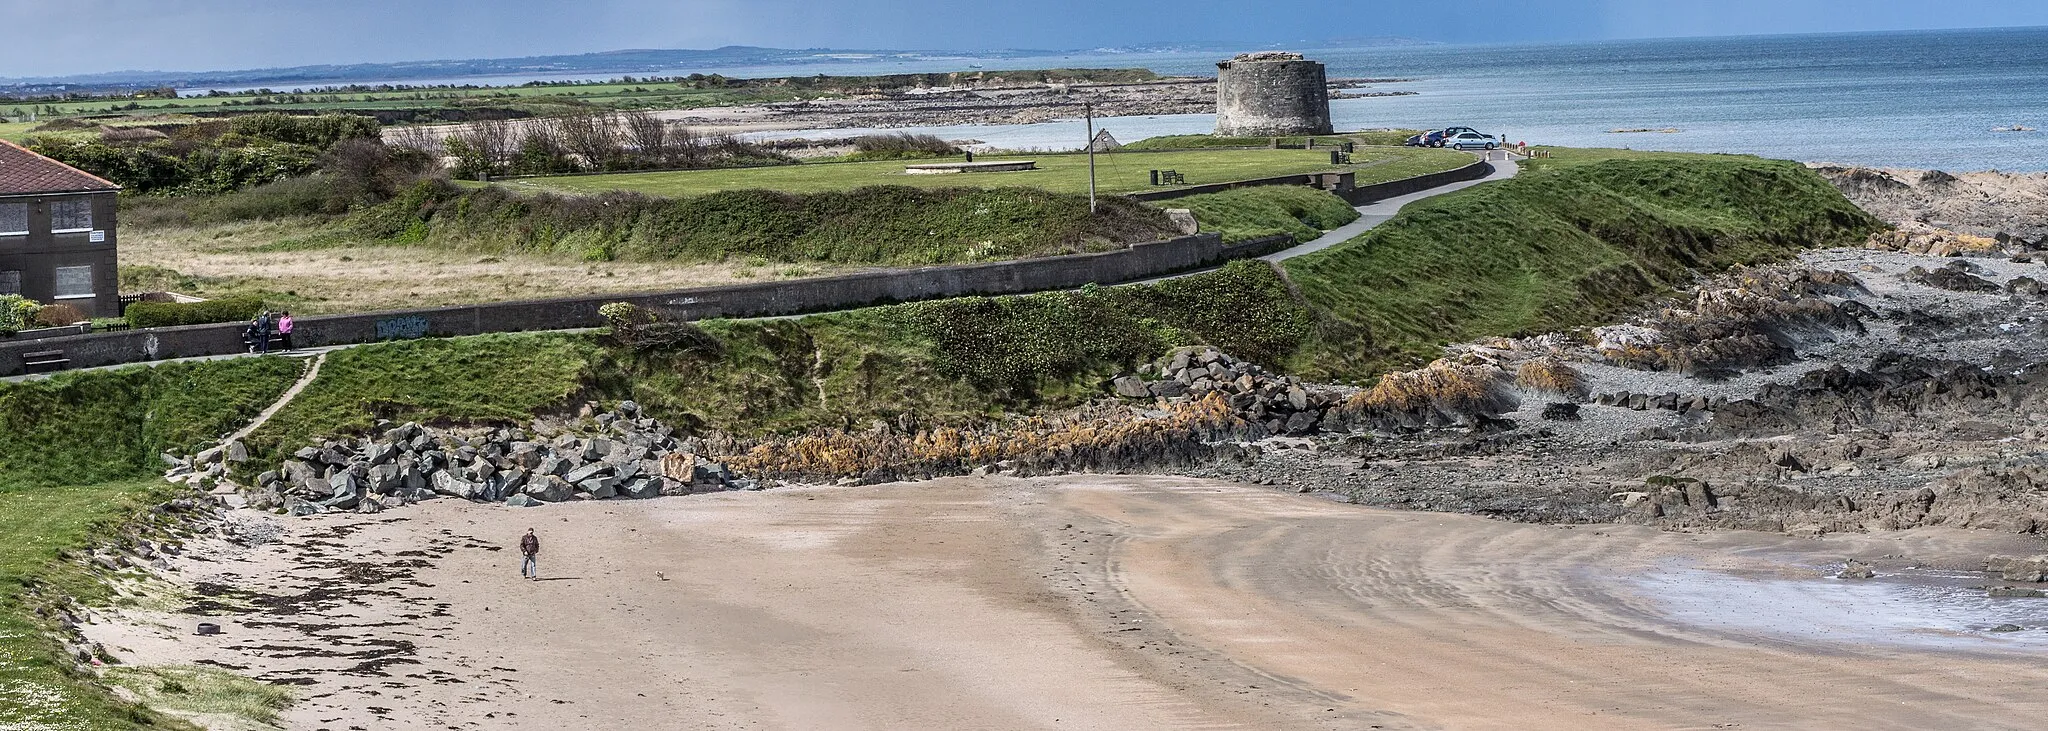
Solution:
(1084, 602)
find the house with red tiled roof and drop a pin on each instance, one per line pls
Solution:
(57, 233)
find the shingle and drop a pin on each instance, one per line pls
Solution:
(25, 173)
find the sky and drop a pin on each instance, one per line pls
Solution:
(65, 37)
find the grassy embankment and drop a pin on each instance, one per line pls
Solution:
(1576, 239)
(1061, 173)
(953, 361)
(78, 458)
(443, 247)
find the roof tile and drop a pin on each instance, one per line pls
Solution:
(26, 173)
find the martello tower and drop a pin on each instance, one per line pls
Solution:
(1271, 93)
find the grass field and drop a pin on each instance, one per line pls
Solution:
(1575, 239)
(1061, 173)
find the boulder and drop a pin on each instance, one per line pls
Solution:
(549, 488)
(1302, 422)
(1854, 569)
(2033, 570)
(448, 484)
(237, 452)
(1169, 389)
(1131, 387)
(602, 487)
(1561, 412)
(523, 501)
(641, 488)
(308, 454)
(588, 471)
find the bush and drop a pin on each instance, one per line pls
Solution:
(901, 146)
(59, 316)
(172, 314)
(319, 132)
(16, 312)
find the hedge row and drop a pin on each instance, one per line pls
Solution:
(171, 314)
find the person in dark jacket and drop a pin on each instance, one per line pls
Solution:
(529, 549)
(262, 329)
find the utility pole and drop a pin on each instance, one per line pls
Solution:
(1090, 107)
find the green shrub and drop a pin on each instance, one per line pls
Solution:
(321, 132)
(16, 312)
(172, 314)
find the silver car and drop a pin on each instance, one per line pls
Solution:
(1469, 140)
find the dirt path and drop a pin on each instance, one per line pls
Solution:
(1083, 602)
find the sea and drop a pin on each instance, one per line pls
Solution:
(1926, 100)
(1922, 99)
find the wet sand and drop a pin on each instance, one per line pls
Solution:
(1091, 602)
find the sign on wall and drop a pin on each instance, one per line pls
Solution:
(97, 237)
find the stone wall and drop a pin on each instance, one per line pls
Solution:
(1271, 94)
(1142, 261)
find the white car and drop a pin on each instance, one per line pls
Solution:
(1472, 141)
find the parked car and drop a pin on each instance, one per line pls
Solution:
(1427, 139)
(1472, 141)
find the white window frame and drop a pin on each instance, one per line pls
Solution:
(57, 279)
(87, 202)
(24, 217)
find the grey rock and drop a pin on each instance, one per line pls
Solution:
(1854, 569)
(588, 471)
(2008, 628)
(1169, 389)
(641, 488)
(1131, 387)
(550, 488)
(237, 452)
(380, 453)
(1297, 397)
(523, 501)
(309, 454)
(629, 407)
(448, 484)
(602, 487)
(1302, 422)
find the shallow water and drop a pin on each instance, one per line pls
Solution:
(1913, 608)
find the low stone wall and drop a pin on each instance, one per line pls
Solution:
(1357, 196)
(826, 294)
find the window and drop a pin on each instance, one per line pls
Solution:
(14, 219)
(71, 215)
(74, 283)
(10, 282)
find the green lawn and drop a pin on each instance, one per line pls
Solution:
(36, 690)
(1577, 239)
(1061, 173)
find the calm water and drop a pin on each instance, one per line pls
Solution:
(1924, 100)
(1921, 99)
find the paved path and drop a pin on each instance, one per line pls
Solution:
(1371, 216)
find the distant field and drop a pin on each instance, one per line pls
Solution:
(1061, 173)
(550, 99)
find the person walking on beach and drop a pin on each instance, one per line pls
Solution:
(284, 329)
(529, 550)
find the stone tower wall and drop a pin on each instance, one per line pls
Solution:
(1281, 94)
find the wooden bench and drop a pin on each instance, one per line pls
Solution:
(44, 361)
(1172, 177)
